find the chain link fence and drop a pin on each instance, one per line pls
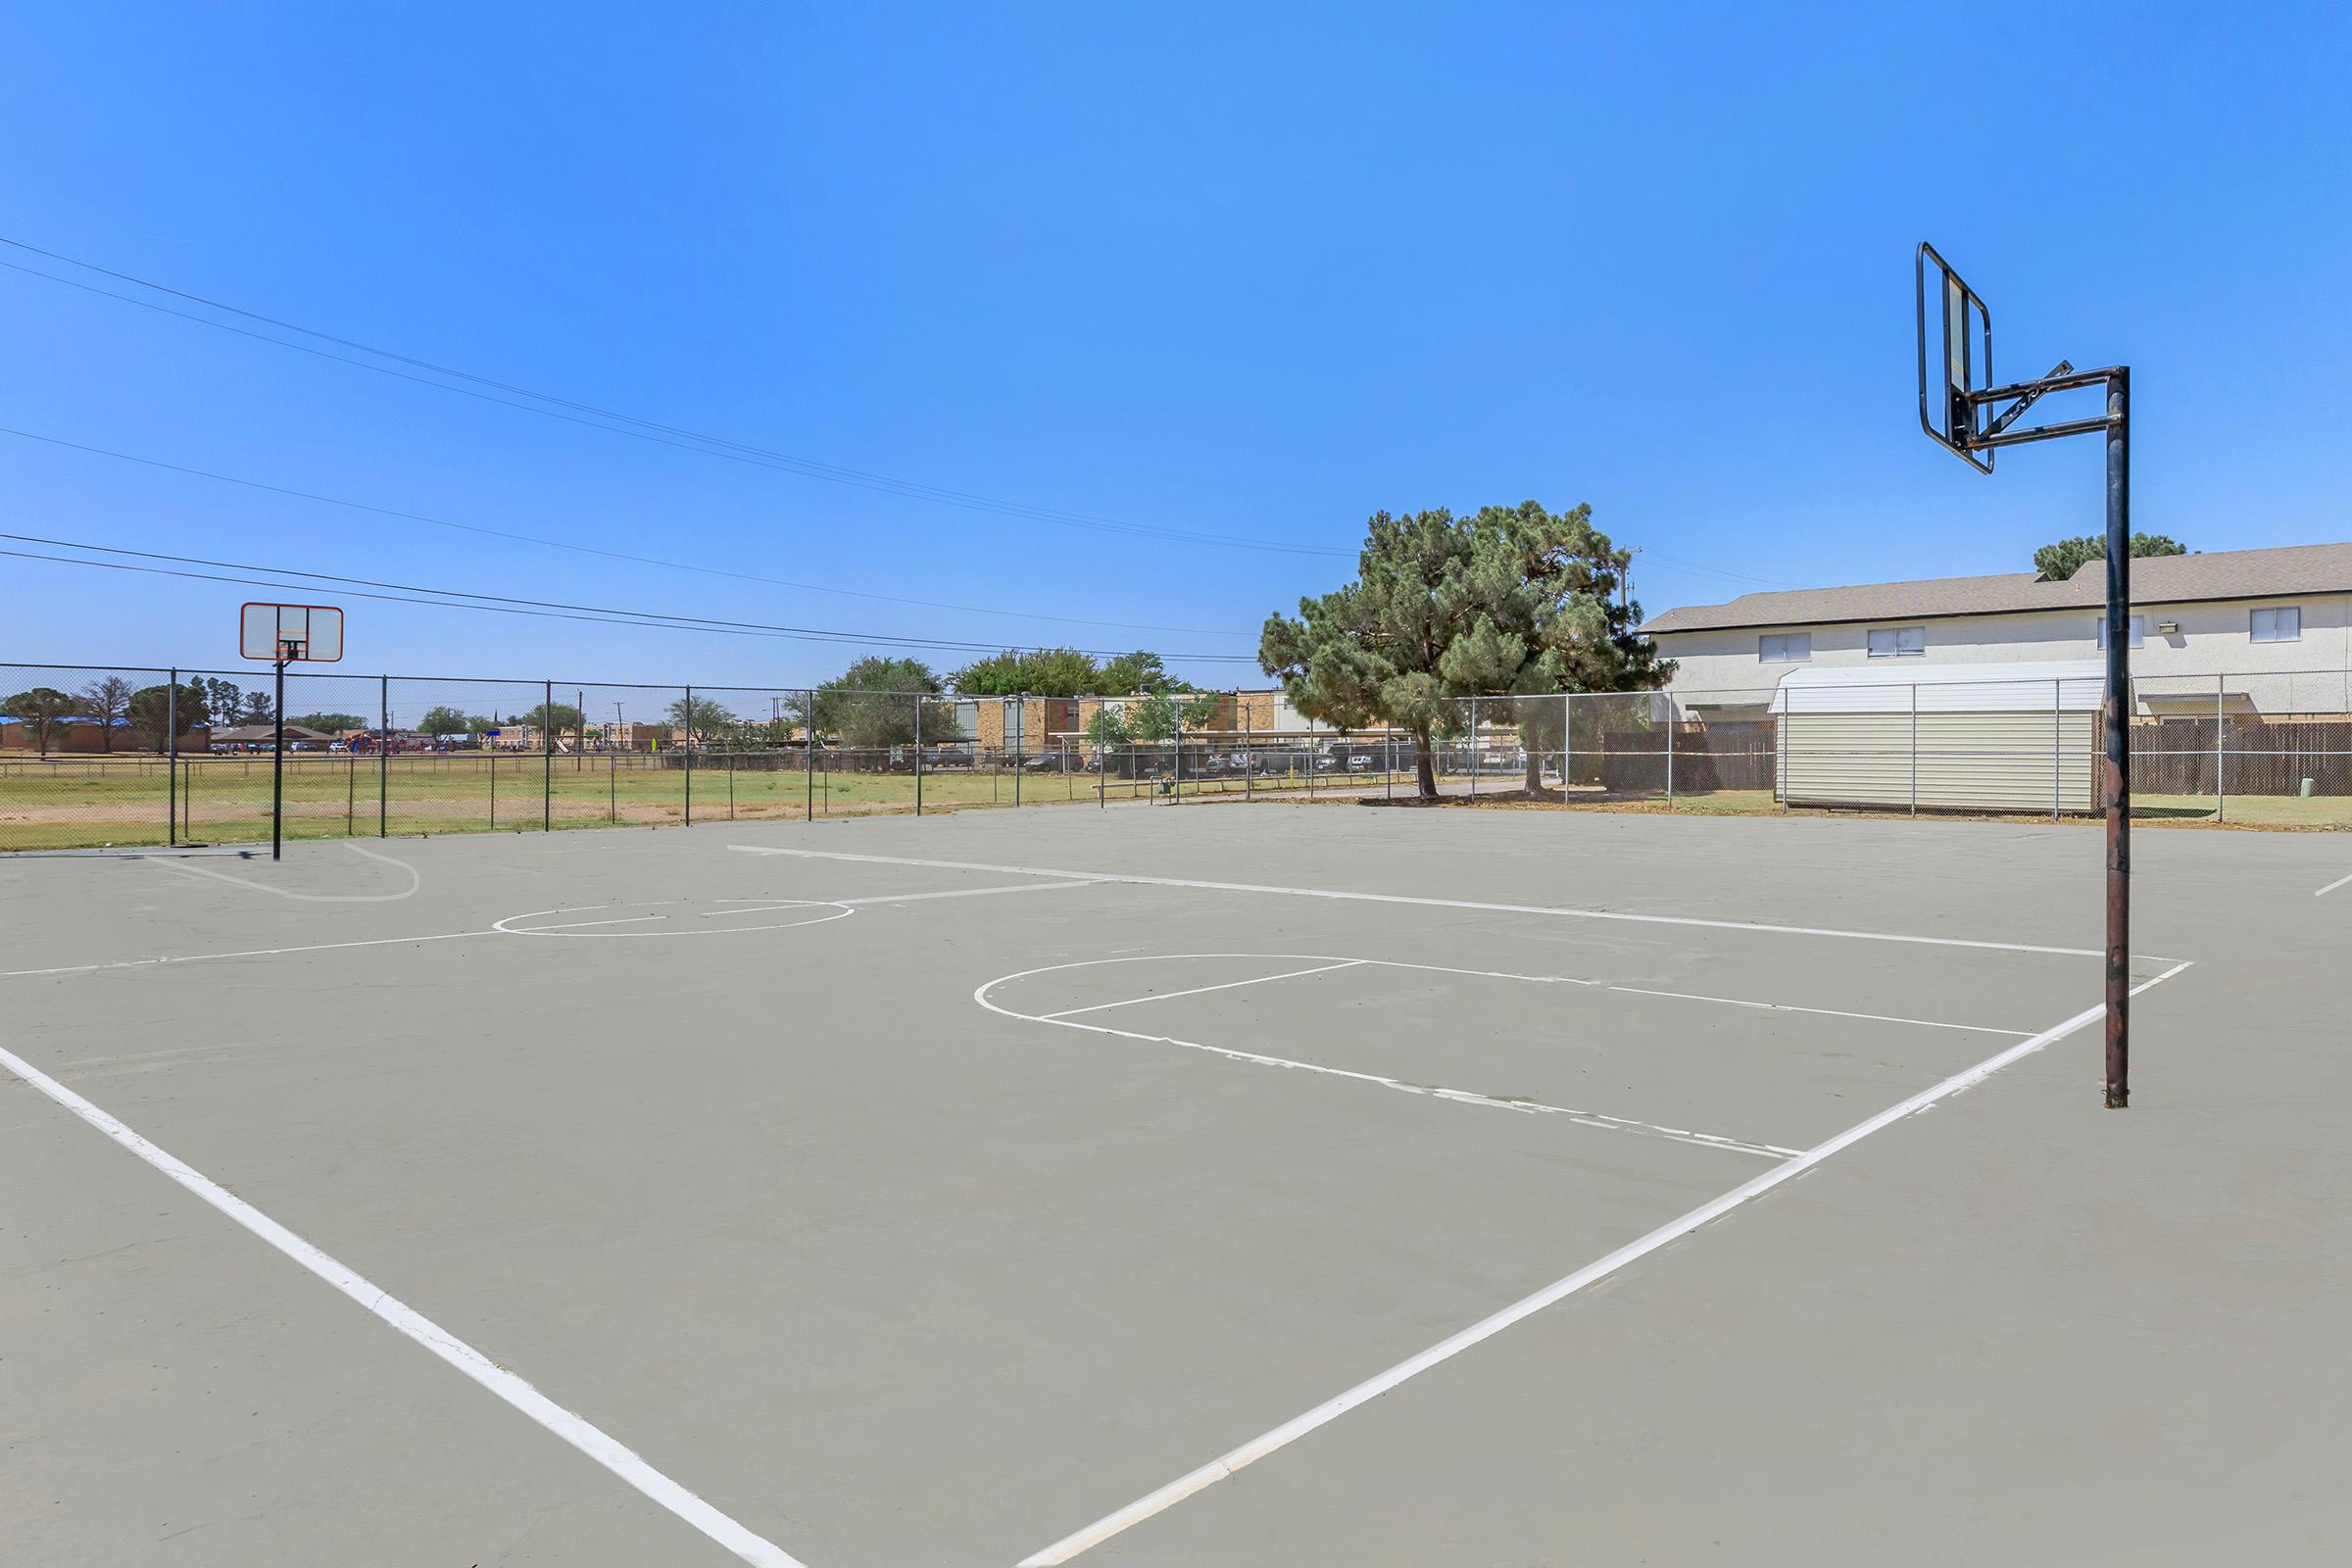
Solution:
(93, 756)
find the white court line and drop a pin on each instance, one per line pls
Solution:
(1466, 1096)
(244, 952)
(968, 893)
(1531, 979)
(582, 925)
(413, 1325)
(2333, 885)
(510, 927)
(415, 880)
(1562, 911)
(1298, 1427)
(1167, 996)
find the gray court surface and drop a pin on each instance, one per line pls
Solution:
(1087, 1186)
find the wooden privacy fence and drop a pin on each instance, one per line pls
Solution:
(2250, 754)
(1733, 754)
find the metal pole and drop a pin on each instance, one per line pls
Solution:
(1476, 757)
(688, 727)
(277, 764)
(1915, 747)
(172, 759)
(547, 757)
(383, 751)
(1176, 791)
(1020, 733)
(2118, 793)
(919, 753)
(730, 786)
(1249, 759)
(1567, 739)
(1670, 751)
(2057, 747)
(2221, 760)
(351, 794)
(611, 785)
(1101, 763)
(809, 748)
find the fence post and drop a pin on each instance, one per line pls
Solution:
(730, 786)
(1567, 740)
(1915, 747)
(919, 753)
(2057, 749)
(547, 757)
(1670, 751)
(1021, 734)
(1176, 775)
(1249, 758)
(808, 746)
(2220, 757)
(172, 759)
(1476, 757)
(611, 784)
(384, 753)
(492, 759)
(688, 729)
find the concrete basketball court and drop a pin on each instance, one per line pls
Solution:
(1215, 1185)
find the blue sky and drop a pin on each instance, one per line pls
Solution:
(1237, 269)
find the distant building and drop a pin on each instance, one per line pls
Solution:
(2247, 631)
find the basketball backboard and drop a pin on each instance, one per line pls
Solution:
(307, 633)
(1955, 357)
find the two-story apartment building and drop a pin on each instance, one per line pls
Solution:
(2253, 631)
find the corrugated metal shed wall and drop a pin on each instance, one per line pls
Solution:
(1999, 762)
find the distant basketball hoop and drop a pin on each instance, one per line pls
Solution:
(287, 634)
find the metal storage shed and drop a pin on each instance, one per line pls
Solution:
(1990, 737)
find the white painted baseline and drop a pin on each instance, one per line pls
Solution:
(1291, 1431)
(2341, 881)
(1562, 911)
(410, 1324)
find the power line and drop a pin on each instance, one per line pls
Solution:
(461, 599)
(591, 550)
(549, 405)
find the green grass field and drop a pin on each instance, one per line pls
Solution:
(92, 801)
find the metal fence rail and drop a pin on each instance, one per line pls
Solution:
(96, 756)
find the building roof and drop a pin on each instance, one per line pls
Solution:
(2155, 579)
(266, 732)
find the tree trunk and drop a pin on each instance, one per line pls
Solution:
(1427, 777)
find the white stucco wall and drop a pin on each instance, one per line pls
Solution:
(2212, 640)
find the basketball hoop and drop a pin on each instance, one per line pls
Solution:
(287, 634)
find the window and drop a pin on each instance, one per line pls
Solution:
(1784, 647)
(2284, 624)
(2140, 631)
(1898, 642)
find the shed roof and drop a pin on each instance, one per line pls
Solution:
(2061, 685)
